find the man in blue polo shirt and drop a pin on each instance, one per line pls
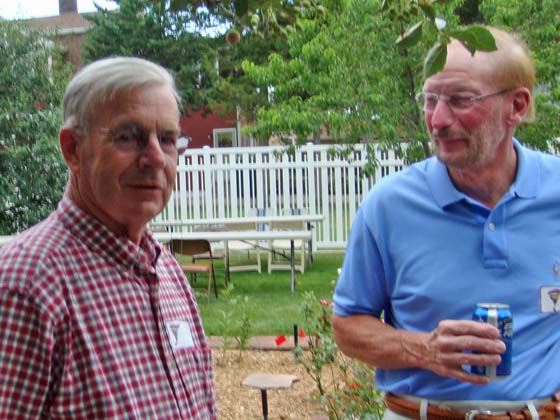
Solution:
(479, 222)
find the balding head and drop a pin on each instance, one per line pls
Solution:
(510, 66)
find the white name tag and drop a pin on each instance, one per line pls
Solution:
(550, 299)
(179, 334)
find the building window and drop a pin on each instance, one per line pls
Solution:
(225, 137)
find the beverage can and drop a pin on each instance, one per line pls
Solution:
(498, 315)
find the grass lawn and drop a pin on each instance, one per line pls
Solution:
(272, 307)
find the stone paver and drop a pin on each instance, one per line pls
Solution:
(269, 380)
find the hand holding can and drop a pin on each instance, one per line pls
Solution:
(498, 315)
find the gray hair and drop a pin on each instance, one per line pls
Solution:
(99, 82)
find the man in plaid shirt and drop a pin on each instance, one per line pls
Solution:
(96, 317)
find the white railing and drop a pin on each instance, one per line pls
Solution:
(228, 182)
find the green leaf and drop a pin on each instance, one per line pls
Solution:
(175, 5)
(241, 7)
(411, 36)
(435, 60)
(428, 10)
(475, 38)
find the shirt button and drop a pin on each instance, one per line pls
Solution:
(491, 226)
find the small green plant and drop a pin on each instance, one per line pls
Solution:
(346, 387)
(322, 348)
(244, 327)
(235, 323)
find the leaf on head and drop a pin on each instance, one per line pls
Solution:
(435, 60)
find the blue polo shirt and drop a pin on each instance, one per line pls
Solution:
(420, 251)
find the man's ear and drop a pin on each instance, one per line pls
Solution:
(520, 105)
(69, 145)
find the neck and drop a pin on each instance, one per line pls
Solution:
(133, 231)
(488, 182)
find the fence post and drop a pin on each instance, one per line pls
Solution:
(311, 183)
(207, 169)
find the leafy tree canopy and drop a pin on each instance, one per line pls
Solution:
(32, 80)
(144, 29)
(351, 68)
(193, 43)
(537, 22)
(346, 76)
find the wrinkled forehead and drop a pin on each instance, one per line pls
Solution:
(123, 101)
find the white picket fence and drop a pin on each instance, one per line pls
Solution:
(228, 182)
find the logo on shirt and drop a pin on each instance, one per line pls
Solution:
(550, 299)
(179, 334)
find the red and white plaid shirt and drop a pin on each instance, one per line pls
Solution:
(93, 326)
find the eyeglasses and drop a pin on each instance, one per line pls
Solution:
(134, 138)
(455, 101)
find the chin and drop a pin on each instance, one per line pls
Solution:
(145, 211)
(452, 159)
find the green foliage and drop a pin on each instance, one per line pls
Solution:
(537, 22)
(258, 16)
(474, 38)
(243, 331)
(273, 308)
(322, 348)
(353, 394)
(32, 80)
(419, 16)
(235, 322)
(144, 29)
(255, 29)
(343, 78)
(233, 88)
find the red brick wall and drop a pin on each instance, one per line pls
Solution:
(199, 127)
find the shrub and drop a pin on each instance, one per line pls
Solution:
(346, 387)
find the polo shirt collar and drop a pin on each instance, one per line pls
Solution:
(526, 184)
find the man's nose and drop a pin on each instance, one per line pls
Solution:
(441, 116)
(152, 154)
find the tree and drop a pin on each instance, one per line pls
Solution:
(538, 23)
(207, 67)
(32, 80)
(353, 68)
(346, 75)
(255, 15)
(144, 29)
(234, 89)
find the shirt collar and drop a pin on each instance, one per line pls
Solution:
(526, 184)
(100, 240)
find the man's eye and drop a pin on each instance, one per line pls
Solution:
(430, 100)
(459, 101)
(124, 137)
(168, 142)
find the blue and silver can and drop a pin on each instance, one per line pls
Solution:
(498, 315)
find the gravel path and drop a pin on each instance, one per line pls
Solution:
(237, 402)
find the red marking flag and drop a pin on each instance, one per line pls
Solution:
(280, 339)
